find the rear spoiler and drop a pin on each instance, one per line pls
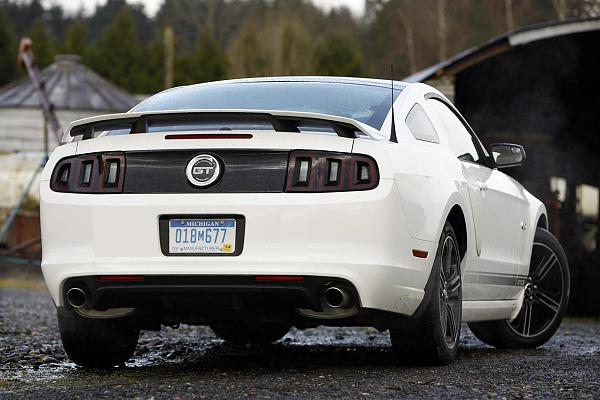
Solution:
(282, 121)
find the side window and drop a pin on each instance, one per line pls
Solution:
(420, 126)
(459, 138)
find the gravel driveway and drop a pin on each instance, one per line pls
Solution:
(318, 363)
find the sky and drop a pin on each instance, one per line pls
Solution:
(356, 6)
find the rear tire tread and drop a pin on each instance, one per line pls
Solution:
(422, 342)
(96, 343)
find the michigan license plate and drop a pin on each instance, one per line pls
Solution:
(202, 236)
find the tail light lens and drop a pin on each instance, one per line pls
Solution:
(91, 173)
(320, 171)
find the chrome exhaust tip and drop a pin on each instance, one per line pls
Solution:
(76, 297)
(337, 297)
(335, 302)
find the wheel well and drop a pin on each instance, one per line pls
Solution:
(542, 222)
(457, 219)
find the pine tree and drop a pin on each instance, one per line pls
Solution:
(250, 55)
(296, 53)
(151, 76)
(42, 43)
(208, 62)
(75, 38)
(8, 50)
(338, 56)
(118, 54)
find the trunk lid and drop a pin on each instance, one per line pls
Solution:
(260, 140)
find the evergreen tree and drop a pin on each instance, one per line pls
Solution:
(151, 76)
(118, 54)
(296, 53)
(42, 43)
(75, 38)
(250, 55)
(207, 63)
(8, 50)
(337, 55)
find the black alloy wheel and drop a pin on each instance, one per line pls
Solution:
(545, 300)
(450, 292)
(543, 293)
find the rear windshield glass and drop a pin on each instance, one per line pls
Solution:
(210, 123)
(365, 103)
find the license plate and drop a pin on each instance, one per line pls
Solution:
(202, 236)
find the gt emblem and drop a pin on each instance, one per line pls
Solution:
(203, 170)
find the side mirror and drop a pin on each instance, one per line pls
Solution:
(508, 155)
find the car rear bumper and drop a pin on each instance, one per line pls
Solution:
(152, 293)
(360, 237)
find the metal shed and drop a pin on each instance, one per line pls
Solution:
(539, 86)
(74, 90)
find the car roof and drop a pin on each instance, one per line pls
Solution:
(317, 79)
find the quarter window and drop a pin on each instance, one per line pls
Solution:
(459, 138)
(420, 125)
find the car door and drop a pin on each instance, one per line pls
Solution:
(495, 205)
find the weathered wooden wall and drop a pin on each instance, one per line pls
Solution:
(22, 129)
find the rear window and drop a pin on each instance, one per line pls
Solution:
(210, 123)
(368, 104)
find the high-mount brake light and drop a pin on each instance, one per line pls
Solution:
(209, 136)
(92, 173)
(323, 171)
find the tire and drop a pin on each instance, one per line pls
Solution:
(259, 334)
(544, 304)
(96, 343)
(434, 338)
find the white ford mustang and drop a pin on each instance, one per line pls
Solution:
(256, 205)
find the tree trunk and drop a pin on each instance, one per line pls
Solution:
(509, 15)
(412, 54)
(560, 7)
(411, 51)
(442, 29)
(169, 43)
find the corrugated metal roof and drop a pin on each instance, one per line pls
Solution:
(70, 86)
(503, 43)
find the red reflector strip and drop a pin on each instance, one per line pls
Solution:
(279, 278)
(420, 253)
(211, 136)
(122, 278)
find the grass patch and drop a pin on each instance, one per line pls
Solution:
(23, 283)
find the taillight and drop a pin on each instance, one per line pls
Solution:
(321, 171)
(90, 173)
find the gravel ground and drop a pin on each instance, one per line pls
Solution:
(190, 362)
